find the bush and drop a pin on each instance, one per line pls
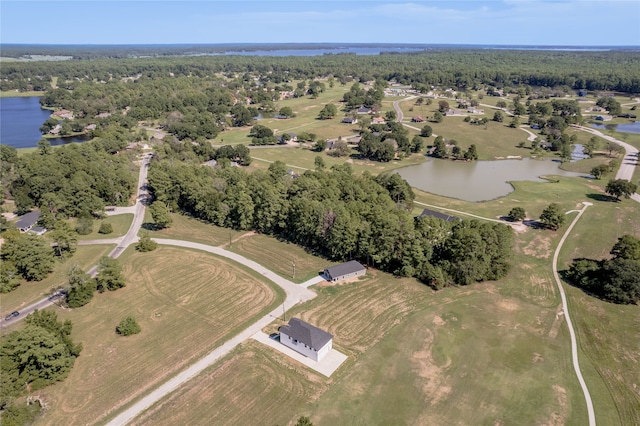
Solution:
(128, 326)
(146, 244)
(85, 225)
(105, 228)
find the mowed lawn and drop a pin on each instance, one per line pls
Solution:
(120, 224)
(280, 257)
(29, 292)
(187, 228)
(302, 159)
(186, 302)
(415, 357)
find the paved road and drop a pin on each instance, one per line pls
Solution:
(122, 243)
(630, 161)
(295, 293)
(565, 308)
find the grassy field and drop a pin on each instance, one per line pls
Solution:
(303, 158)
(306, 110)
(120, 224)
(186, 303)
(29, 292)
(280, 257)
(190, 229)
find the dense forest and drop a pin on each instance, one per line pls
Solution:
(460, 68)
(338, 215)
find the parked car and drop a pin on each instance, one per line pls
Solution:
(11, 315)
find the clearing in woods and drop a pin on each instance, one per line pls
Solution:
(186, 303)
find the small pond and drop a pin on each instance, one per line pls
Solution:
(624, 128)
(477, 180)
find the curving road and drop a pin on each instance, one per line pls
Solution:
(565, 308)
(295, 293)
(122, 243)
(630, 161)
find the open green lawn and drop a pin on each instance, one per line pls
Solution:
(306, 110)
(28, 292)
(303, 158)
(280, 256)
(120, 224)
(190, 229)
(186, 302)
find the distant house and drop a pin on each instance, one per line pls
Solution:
(417, 119)
(63, 113)
(535, 126)
(377, 120)
(90, 127)
(103, 115)
(350, 120)
(56, 129)
(344, 271)
(355, 139)
(474, 110)
(306, 339)
(438, 215)
(582, 92)
(27, 221)
(292, 138)
(364, 110)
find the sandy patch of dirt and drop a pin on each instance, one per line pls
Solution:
(559, 417)
(438, 321)
(507, 305)
(537, 358)
(540, 247)
(434, 388)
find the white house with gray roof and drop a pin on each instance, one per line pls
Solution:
(306, 339)
(350, 269)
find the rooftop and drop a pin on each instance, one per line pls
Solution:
(306, 333)
(443, 216)
(29, 219)
(345, 268)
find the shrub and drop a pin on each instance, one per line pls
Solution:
(105, 228)
(128, 326)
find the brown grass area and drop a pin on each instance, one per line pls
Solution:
(190, 229)
(254, 385)
(186, 303)
(365, 311)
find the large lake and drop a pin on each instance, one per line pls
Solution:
(477, 180)
(20, 121)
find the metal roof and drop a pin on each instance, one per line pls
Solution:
(345, 268)
(443, 216)
(306, 333)
(28, 220)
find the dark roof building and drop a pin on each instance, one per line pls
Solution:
(345, 270)
(438, 215)
(26, 221)
(306, 339)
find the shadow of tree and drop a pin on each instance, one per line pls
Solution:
(601, 197)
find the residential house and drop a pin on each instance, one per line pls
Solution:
(377, 120)
(292, 138)
(63, 113)
(26, 222)
(306, 339)
(363, 110)
(439, 215)
(474, 110)
(350, 120)
(417, 119)
(350, 269)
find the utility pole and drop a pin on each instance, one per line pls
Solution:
(284, 313)
(294, 269)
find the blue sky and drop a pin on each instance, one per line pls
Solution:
(549, 22)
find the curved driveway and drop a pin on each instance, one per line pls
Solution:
(565, 308)
(296, 293)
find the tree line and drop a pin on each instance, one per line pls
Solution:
(617, 279)
(338, 215)
(461, 68)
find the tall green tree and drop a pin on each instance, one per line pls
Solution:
(160, 214)
(109, 275)
(620, 187)
(552, 216)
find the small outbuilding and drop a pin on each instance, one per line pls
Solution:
(306, 339)
(350, 269)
